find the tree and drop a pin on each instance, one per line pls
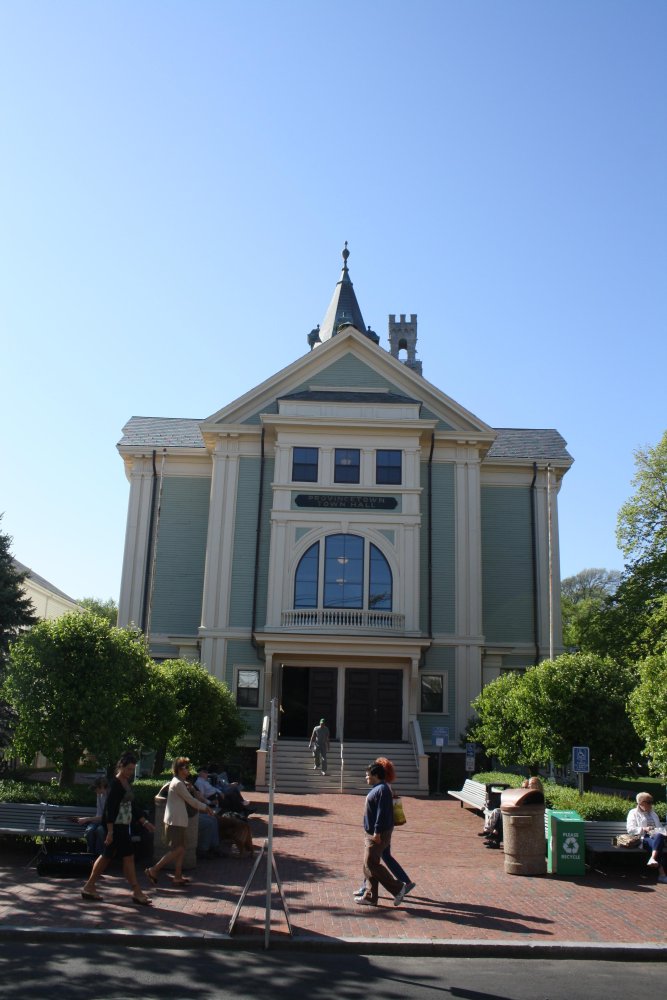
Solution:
(209, 722)
(632, 623)
(648, 710)
(105, 609)
(576, 699)
(641, 529)
(77, 685)
(582, 598)
(495, 727)
(16, 610)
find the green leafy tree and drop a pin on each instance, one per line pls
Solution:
(576, 699)
(77, 685)
(648, 710)
(495, 727)
(16, 610)
(642, 520)
(209, 723)
(583, 596)
(105, 609)
(632, 623)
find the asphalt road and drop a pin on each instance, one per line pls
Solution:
(107, 972)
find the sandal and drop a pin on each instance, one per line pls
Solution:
(87, 894)
(148, 872)
(181, 881)
(142, 900)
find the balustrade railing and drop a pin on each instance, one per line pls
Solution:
(343, 618)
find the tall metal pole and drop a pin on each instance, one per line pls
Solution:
(273, 729)
(551, 572)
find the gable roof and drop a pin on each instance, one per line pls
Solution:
(534, 444)
(40, 581)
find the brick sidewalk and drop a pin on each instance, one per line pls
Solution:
(463, 894)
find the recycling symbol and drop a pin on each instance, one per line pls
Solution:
(571, 844)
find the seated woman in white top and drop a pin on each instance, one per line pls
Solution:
(644, 821)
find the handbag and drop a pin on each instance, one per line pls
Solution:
(628, 840)
(399, 812)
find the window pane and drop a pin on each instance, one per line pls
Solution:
(432, 691)
(247, 688)
(305, 578)
(304, 465)
(379, 584)
(346, 465)
(343, 571)
(388, 467)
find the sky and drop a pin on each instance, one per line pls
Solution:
(177, 180)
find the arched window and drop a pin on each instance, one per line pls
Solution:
(353, 574)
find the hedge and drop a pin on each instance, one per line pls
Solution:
(589, 805)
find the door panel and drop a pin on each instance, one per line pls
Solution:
(373, 705)
(322, 700)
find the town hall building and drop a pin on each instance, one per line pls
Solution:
(348, 540)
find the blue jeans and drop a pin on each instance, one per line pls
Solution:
(656, 842)
(95, 836)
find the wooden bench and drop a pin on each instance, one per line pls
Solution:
(600, 836)
(472, 794)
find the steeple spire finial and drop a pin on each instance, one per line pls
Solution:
(346, 254)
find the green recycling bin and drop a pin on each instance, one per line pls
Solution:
(566, 844)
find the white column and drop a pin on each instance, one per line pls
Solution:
(136, 541)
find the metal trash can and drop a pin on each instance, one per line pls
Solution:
(160, 843)
(566, 842)
(523, 831)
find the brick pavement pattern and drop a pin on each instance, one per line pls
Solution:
(462, 893)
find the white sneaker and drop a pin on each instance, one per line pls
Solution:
(365, 901)
(652, 863)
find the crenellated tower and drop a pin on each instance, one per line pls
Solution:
(403, 337)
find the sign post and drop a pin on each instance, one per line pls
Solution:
(470, 758)
(581, 764)
(439, 738)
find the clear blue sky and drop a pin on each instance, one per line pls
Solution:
(177, 180)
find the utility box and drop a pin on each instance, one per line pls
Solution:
(566, 842)
(523, 831)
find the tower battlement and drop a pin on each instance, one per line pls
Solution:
(403, 337)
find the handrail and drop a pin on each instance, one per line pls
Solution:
(391, 621)
(342, 767)
(417, 742)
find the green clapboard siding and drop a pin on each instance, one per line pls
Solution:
(181, 551)
(444, 549)
(245, 537)
(507, 564)
(440, 659)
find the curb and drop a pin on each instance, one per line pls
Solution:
(443, 948)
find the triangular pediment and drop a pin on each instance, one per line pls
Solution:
(349, 361)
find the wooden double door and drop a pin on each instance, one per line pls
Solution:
(373, 707)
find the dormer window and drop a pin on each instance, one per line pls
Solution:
(346, 468)
(304, 465)
(388, 467)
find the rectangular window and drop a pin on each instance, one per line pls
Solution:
(388, 467)
(304, 465)
(433, 690)
(247, 689)
(346, 465)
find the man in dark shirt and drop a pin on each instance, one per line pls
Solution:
(378, 825)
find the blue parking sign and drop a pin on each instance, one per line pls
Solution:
(581, 760)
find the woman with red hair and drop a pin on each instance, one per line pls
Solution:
(390, 861)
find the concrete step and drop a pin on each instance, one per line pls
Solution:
(294, 773)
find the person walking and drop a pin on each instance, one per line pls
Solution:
(319, 744)
(378, 826)
(176, 822)
(388, 858)
(119, 810)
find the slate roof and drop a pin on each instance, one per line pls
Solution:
(336, 396)
(518, 443)
(161, 432)
(528, 443)
(343, 310)
(40, 581)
